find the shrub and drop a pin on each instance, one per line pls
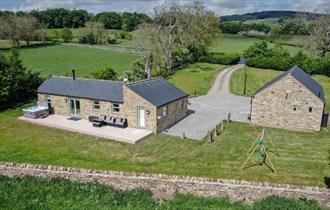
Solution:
(112, 39)
(105, 73)
(66, 35)
(88, 39)
(17, 84)
(220, 58)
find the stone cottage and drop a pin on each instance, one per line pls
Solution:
(292, 101)
(152, 104)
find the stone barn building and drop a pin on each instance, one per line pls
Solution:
(292, 101)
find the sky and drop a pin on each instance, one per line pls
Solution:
(220, 7)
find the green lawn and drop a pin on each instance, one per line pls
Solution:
(40, 193)
(197, 77)
(6, 44)
(61, 59)
(303, 157)
(256, 78)
(237, 44)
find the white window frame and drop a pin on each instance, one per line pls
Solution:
(96, 104)
(115, 108)
(48, 99)
(165, 111)
(310, 109)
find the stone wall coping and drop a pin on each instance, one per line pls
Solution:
(164, 177)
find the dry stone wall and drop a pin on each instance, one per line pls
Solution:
(164, 186)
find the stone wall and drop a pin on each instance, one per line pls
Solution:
(164, 186)
(274, 105)
(175, 114)
(132, 102)
(60, 105)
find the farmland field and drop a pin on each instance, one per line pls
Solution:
(237, 44)
(196, 78)
(61, 59)
(256, 78)
(302, 158)
(41, 193)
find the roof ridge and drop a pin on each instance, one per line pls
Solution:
(82, 78)
(144, 80)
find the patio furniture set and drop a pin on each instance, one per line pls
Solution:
(108, 120)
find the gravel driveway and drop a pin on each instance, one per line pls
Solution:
(210, 109)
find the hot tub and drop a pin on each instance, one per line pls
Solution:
(41, 110)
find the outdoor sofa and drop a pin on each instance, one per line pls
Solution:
(108, 120)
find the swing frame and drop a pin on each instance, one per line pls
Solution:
(260, 143)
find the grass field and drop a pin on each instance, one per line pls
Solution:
(6, 44)
(237, 44)
(302, 157)
(256, 78)
(196, 78)
(38, 193)
(61, 59)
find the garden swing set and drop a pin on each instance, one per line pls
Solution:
(263, 156)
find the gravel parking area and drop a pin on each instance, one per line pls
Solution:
(209, 110)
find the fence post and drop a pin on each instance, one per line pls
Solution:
(183, 135)
(210, 136)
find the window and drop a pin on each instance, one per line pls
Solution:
(48, 99)
(181, 104)
(115, 108)
(310, 109)
(165, 110)
(96, 105)
(295, 108)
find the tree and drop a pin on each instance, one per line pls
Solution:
(17, 83)
(110, 20)
(105, 73)
(17, 28)
(257, 49)
(137, 71)
(178, 28)
(66, 35)
(275, 31)
(321, 30)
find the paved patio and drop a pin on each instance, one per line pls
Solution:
(127, 135)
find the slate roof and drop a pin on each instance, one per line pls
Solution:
(83, 88)
(157, 91)
(303, 78)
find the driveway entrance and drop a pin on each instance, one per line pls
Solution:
(209, 110)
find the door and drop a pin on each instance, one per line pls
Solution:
(141, 117)
(74, 107)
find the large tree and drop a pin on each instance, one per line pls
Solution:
(179, 28)
(18, 28)
(320, 32)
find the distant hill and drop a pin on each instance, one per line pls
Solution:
(258, 16)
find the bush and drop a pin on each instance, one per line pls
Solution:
(220, 58)
(88, 39)
(17, 84)
(112, 39)
(105, 73)
(66, 35)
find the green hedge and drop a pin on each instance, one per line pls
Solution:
(220, 58)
